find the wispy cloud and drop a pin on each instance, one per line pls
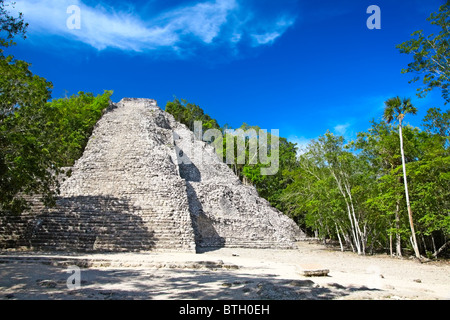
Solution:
(341, 129)
(182, 27)
(202, 20)
(275, 31)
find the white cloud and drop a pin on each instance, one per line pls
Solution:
(269, 36)
(203, 20)
(266, 38)
(181, 27)
(341, 129)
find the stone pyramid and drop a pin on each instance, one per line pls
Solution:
(130, 192)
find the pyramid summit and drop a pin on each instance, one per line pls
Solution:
(132, 191)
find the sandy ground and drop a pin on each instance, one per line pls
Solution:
(236, 274)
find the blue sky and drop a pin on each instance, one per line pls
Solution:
(303, 67)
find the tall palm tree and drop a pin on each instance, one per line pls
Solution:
(396, 109)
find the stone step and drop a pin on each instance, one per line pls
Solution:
(160, 236)
(91, 220)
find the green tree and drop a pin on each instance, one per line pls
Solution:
(24, 163)
(187, 113)
(312, 199)
(380, 147)
(349, 171)
(40, 138)
(437, 122)
(20, 88)
(10, 26)
(329, 192)
(395, 110)
(37, 138)
(431, 181)
(271, 187)
(431, 54)
(66, 124)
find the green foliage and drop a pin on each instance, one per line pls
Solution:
(37, 138)
(188, 113)
(19, 87)
(68, 123)
(437, 122)
(10, 26)
(25, 163)
(271, 187)
(430, 186)
(330, 180)
(396, 109)
(431, 54)
(431, 191)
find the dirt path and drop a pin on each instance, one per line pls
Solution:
(223, 274)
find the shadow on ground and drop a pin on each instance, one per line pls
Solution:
(28, 281)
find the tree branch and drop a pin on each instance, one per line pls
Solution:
(441, 249)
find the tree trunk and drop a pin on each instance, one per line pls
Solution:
(425, 249)
(441, 249)
(398, 239)
(411, 223)
(354, 232)
(434, 243)
(339, 237)
(360, 238)
(390, 245)
(349, 212)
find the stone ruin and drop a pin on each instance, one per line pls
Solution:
(128, 192)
